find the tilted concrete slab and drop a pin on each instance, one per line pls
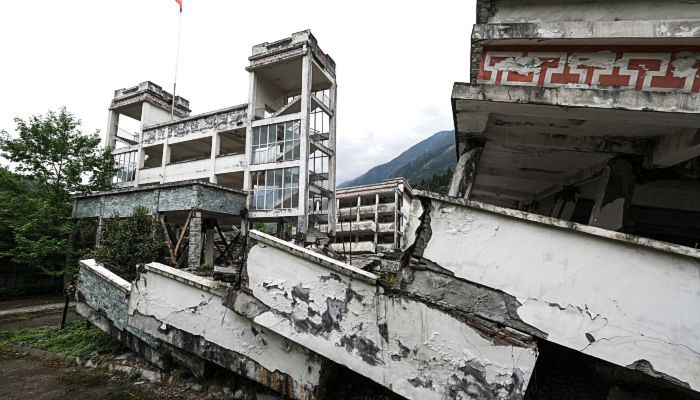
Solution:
(413, 348)
(631, 301)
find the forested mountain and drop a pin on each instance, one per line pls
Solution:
(426, 165)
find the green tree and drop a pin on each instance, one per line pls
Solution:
(52, 160)
(129, 242)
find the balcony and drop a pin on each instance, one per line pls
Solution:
(192, 170)
(360, 227)
(195, 127)
(382, 209)
(355, 247)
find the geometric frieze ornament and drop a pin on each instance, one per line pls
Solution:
(642, 68)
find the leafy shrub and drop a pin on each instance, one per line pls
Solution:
(129, 242)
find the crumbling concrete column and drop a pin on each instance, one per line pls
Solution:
(614, 196)
(465, 172)
(194, 257)
(98, 231)
(112, 127)
(215, 150)
(376, 219)
(209, 247)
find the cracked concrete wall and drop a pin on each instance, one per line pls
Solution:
(417, 351)
(185, 311)
(103, 292)
(632, 305)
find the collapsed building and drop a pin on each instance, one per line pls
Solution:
(563, 262)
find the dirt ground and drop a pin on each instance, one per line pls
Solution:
(24, 377)
(27, 378)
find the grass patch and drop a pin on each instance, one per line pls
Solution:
(76, 339)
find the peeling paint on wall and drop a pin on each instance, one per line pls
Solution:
(581, 291)
(416, 350)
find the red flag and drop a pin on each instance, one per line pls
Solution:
(180, 3)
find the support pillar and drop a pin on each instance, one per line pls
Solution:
(376, 219)
(165, 160)
(306, 82)
(112, 128)
(614, 196)
(215, 150)
(98, 231)
(396, 218)
(245, 223)
(194, 257)
(209, 247)
(465, 173)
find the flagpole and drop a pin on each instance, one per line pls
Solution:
(177, 59)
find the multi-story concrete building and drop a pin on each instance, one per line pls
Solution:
(371, 218)
(279, 147)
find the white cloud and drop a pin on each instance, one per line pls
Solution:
(396, 61)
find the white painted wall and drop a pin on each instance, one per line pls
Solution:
(422, 343)
(188, 170)
(185, 306)
(635, 301)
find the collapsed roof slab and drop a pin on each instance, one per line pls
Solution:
(537, 140)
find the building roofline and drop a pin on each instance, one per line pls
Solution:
(388, 183)
(158, 186)
(243, 106)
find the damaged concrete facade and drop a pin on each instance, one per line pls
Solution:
(279, 147)
(581, 127)
(371, 218)
(562, 264)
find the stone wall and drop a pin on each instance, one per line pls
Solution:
(103, 293)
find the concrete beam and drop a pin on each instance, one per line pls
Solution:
(677, 148)
(614, 196)
(526, 141)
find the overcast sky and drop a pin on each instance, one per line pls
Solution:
(396, 60)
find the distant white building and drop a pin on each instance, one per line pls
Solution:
(279, 147)
(372, 218)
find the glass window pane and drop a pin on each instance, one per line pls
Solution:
(280, 132)
(287, 177)
(287, 195)
(269, 200)
(278, 178)
(295, 176)
(295, 198)
(288, 130)
(270, 134)
(278, 198)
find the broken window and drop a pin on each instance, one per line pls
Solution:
(276, 142)
(126, 167)
(276, 189)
